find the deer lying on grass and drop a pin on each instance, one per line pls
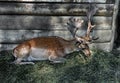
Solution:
(50, 48)
(53, 48)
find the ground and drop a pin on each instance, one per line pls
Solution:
(101, 67)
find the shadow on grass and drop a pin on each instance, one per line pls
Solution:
(101, 67)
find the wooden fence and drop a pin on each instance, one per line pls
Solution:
(25, 19)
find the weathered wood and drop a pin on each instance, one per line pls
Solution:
(104, 36)
(53, 9)
(14, 36)
(15, 22)
(7, 46)
(102, 46)
(98, 1)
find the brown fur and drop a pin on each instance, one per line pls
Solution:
(55, 47)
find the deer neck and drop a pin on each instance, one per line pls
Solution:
(72, 46)
(74, 42)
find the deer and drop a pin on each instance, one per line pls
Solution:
(54, 48)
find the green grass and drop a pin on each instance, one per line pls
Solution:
(101, 67)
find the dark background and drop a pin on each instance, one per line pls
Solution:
(117, 40)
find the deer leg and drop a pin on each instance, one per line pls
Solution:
(19, 61)
(25, 63)
(56, 59)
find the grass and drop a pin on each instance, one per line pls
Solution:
(101, 67)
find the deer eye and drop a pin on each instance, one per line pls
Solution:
(77, 43)
(82, 47)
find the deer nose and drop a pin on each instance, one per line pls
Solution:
(87, 52)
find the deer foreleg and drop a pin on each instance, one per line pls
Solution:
(56, 59)
(19, 61)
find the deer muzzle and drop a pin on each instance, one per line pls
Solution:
(87, 52)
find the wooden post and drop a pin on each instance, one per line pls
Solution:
(115, 13)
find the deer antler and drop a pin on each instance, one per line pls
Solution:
(74, 25)
(89, 30)
(90, 13)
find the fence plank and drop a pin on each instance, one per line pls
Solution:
(15, 22)
(53, 9)
(103, 46)
(98, 1)
(13, 36)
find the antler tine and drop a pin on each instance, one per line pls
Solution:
(70, 26)
(89, 29)
(91, 11)
(75, 31)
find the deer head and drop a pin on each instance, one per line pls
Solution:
(76, 24)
